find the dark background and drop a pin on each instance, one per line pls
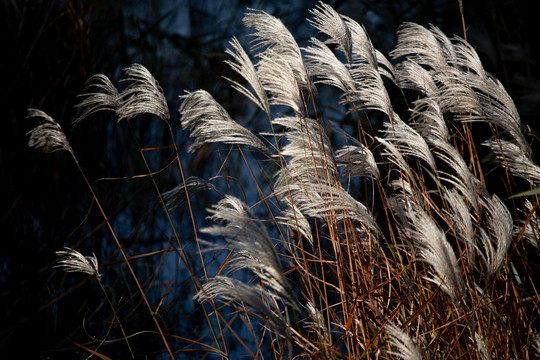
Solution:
(50, 47)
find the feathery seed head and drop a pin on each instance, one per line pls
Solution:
(176, 197)
(254, 250)
(209, 122)
(245, 68)
(406, 349)
(279, 43)
(143, 95)
(73, 261)
(48, 135)
(329, 22)
(99, 95)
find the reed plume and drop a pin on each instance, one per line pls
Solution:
(73, 261)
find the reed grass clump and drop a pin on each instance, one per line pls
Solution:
(413, 235)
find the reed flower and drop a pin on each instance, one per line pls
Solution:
(177, 196)
(73, 261)
(406, 349)
(99, 94)
(48, 136)
(482, 350)
(209, 122)
(143, 95)
(243, 65)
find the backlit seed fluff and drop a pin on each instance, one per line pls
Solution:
(73, 261)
